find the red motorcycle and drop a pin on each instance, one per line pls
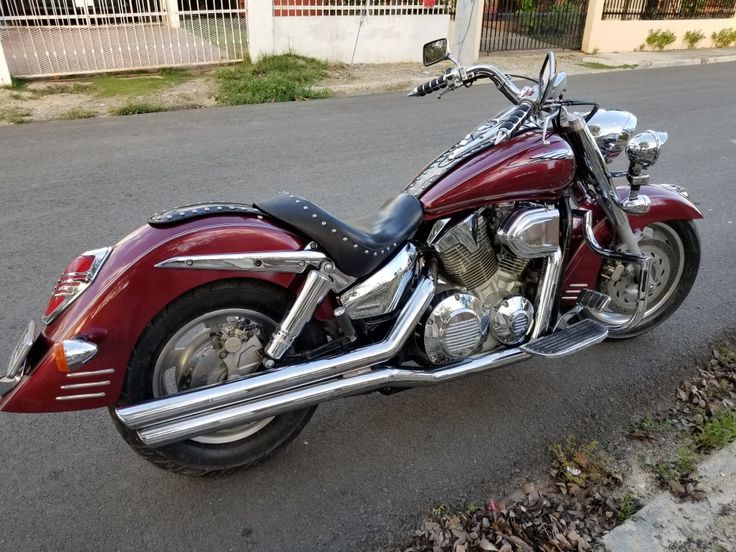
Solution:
(212, 332)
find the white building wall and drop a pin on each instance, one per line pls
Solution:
(383, 39)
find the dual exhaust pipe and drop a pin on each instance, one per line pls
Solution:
(266, 394)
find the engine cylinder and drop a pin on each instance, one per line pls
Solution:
(466, 253)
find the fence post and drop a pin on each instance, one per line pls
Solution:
(4, 72)
(260, 28)
(592, 22)
(468, 24)
(172, 13)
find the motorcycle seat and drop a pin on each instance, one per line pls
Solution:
(357, 245)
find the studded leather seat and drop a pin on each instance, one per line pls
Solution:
(357, 245)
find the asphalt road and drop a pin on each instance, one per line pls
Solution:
(365, 468)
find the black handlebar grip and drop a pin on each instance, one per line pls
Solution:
(430, 86)
(513, 121)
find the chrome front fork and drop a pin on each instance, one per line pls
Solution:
(573, 125)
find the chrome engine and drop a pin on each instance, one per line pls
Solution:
(481, 303)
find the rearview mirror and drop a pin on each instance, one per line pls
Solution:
(547, 76)
(435, 51)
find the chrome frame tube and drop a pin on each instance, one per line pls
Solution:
(182, 429)
(644, 262)
(263, 383)
(546, 294)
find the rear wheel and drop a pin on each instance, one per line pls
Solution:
(674, 247)
(205, 337)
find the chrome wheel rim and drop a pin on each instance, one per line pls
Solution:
(660, 242)
(190, 360)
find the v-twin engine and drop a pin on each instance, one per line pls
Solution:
(483, 302)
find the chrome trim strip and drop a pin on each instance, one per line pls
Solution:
(85, 385)
(258, 409)
(265, 261)
(90, 374)
(80, 397)
(249, 387)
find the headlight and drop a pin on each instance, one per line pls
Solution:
(643, 149)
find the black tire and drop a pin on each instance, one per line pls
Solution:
(190, 457)
(688, 233)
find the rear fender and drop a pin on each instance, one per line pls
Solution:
(668, 203)
(126, 295)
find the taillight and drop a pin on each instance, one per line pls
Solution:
(76, 278)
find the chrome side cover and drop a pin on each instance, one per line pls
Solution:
(531, 233)
(381, 292)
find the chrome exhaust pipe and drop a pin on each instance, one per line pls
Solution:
(230, 416)
(263, 383)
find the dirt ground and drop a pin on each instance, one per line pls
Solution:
(75, 98)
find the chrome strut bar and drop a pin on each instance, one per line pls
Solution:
(644, 262)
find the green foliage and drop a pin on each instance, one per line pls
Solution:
(665, 473)
(685, 460)
(660, 39)
(77, 113)
(693, 38)
(14, 115)
(627, 505)
(274, 78)
(724, 38)
(716, 432)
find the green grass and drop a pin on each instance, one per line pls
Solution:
(685, 460)
(628, 505)
(77, 113)
(717, 432)
(596, 65)
(108, 86)
(275, 78)
(15, 115)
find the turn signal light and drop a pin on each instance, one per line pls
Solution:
(76, 278)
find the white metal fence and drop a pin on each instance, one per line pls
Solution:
(56, 37)
(289, 8)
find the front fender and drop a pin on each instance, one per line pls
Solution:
(126, 295)
(668, 203)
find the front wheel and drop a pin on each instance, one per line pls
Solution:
(207, 336)
(674, 247)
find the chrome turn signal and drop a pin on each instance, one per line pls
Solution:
(71, 354)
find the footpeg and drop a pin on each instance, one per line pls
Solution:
(575, 338)
(593, 300)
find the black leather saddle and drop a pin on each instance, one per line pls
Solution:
(358, 245)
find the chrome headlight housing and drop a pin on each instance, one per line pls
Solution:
(612, 129)
(643, 149)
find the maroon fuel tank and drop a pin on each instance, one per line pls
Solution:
(523, 168)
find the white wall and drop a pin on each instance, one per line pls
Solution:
(4, 73)
(383, 39)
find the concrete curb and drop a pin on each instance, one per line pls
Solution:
(649, 64)
(666, 523)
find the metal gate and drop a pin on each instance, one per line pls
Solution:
(531, 24)
(58, 37)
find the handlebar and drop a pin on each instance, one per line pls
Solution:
(466, 76)
(430, 86)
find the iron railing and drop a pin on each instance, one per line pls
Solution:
(669, 9)
(507, 27)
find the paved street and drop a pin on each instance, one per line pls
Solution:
(365, 468)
